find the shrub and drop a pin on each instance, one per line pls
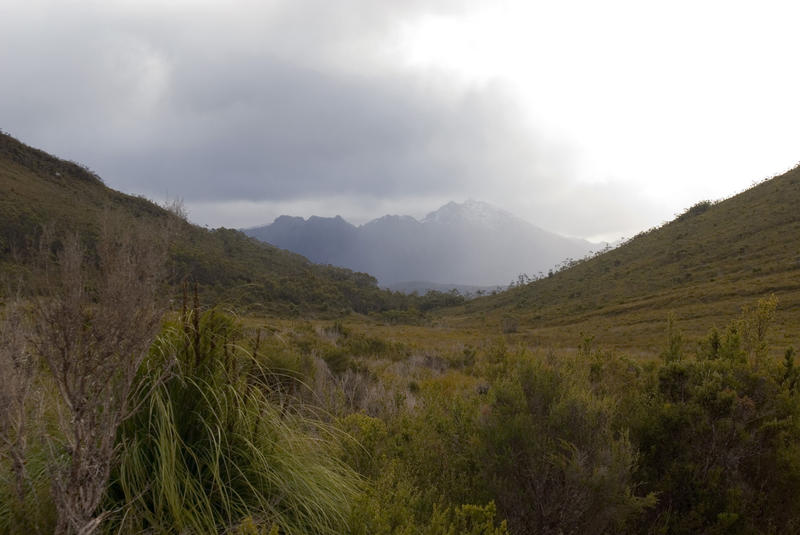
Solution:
(550, 455)
(94, 321)
(718, 443)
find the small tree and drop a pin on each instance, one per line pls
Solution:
(674, 350)
(756, 321)
(710, 347)
(731, 343)
(95, 318)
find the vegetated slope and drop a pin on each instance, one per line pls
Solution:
(704, 266)
(37, 188)
(460, 244)
(422, 287)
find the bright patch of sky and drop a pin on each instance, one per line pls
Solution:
(681, 100)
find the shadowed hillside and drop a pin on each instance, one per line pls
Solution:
(37, 189)
(703, 266)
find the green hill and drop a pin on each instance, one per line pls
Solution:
(704, 266)
(37, 188)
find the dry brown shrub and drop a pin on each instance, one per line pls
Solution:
(93, 324)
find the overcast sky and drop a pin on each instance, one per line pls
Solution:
(593, 119)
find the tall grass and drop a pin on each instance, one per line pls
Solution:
(34, 513)
(210, 452)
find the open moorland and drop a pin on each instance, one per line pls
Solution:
(158, 377)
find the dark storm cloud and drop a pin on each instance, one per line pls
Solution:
(273, 101)
(275, 131)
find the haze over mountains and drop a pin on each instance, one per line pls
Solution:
(460, 244)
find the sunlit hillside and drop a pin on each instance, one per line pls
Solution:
(703, 266)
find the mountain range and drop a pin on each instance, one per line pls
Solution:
(461, 244)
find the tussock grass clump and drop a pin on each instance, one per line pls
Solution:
(210, 452)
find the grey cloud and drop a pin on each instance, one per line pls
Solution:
(261, 102)
(294, 132)
(240, 123)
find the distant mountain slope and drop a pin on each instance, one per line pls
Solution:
(422, 287)
(321, 240)
(705, 266)
(472, 243)
(37, 188)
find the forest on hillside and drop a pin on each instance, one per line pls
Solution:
(127, 412)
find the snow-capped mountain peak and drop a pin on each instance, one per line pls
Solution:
(471, 212)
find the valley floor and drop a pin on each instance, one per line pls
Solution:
(272, 425)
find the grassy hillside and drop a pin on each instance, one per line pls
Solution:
(703, 267)
(37, 188)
